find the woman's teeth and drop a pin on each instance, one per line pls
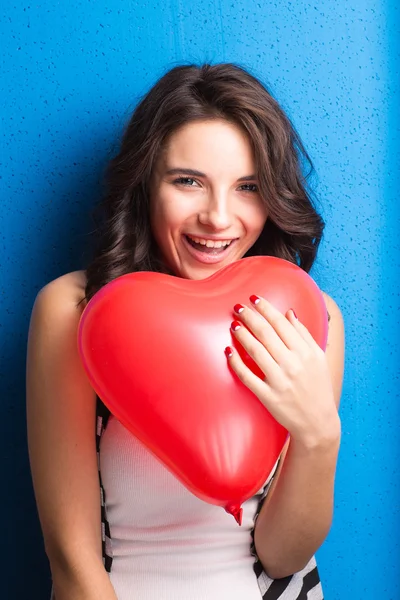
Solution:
(212, 244)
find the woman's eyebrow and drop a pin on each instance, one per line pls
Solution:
(248, 178)
(194, 173)
(185, 172)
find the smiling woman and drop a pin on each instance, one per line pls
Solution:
(209, 171)
(204, 219)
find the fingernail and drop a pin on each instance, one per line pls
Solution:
(238, 308)
(255, 299)
(228, 352)
(294, 314)
(235, 325)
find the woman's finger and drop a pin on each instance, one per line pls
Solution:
(247, 377)
(257, 351)
(278, 321)
(270, 336)
(302, 330)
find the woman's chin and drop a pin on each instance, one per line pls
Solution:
(197, 273)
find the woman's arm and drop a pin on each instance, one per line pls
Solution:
(61, 438)
(297, 515)
(303, 394)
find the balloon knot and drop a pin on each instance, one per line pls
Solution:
(236, 511)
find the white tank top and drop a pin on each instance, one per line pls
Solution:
(166, 543)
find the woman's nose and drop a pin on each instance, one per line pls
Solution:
(216, 214)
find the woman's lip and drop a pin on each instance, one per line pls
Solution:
(209, 259)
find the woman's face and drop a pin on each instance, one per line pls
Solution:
(206, 211)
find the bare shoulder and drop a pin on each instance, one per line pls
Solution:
(65, 291)
(55, 316)
(335, 345)
(334, 312)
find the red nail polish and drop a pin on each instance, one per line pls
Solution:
(294, 314)
(238, 308)
(235, 325)
(228, 351)
(255, 299)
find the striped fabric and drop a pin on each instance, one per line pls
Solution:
(304, 585)
(102, 416)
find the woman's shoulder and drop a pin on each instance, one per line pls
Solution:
(54, 324)
(60, 302)
(334, 312)
(66, 290)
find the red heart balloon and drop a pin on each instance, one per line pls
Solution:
(153, 348)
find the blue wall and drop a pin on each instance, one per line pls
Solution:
(72, 72)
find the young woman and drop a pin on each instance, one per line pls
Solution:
(209, 171)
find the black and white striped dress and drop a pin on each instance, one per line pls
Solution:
(304, 585)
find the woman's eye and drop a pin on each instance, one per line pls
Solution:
(185, 181)
(249, 187)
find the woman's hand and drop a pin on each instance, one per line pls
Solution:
(297, 388)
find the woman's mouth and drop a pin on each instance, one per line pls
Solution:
(207, 250)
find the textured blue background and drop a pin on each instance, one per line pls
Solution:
(71, 74)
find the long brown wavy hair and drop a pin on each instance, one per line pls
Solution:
(125, 242)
